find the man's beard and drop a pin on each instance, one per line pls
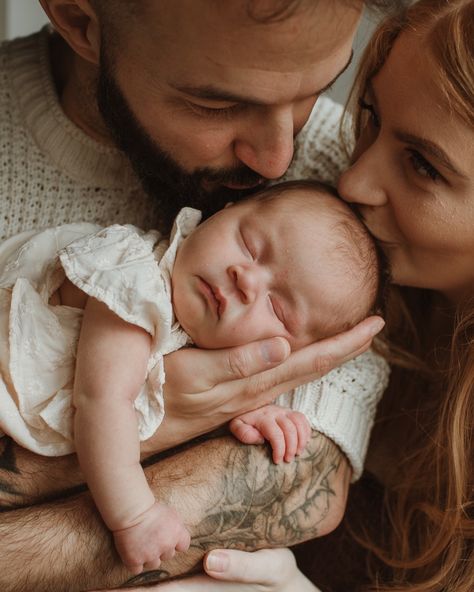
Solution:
(164, 180)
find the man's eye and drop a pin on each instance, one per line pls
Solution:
(222, 112)
(422, 167)
(365, 106)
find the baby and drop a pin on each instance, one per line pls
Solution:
(88, 313)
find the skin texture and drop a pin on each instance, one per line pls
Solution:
(423, 212)
(278, 270)
(275, 68)
(266, 507)
(216, 486)
(203, 127)
(420, 206)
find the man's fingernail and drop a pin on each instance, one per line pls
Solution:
(377, 326)
(217, 561)
(274, 350)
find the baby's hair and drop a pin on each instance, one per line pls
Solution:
(361, 256)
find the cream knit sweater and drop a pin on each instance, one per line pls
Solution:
(52, 173)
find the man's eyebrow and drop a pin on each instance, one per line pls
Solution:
(430, 148)
(212, 93)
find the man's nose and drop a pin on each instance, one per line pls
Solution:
(266, 145)
(365, 181)
(247, 281)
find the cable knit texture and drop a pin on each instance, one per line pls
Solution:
(52, 173)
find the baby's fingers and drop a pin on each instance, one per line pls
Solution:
(152, 565)
(273, 433)
(136, 568)
(244, 432)
(303, 430)
(290, 435)
(183, 541)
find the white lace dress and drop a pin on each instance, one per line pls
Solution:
(122, 266)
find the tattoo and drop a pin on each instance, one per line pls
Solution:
(264, 503)
(260, 504)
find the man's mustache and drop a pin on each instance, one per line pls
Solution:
(239, 176)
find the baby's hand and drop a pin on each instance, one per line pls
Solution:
(156, 537)
(287, 431)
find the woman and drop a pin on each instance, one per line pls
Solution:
(413, 183)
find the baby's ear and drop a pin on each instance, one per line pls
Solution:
(229, 203)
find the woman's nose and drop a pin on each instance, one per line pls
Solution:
(364, 183)
(246, 280)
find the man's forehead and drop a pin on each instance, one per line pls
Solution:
(197, 44)
(243, 26)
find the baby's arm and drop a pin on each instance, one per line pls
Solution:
(111, 367)
(287, 431)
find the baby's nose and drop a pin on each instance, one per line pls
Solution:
(246, 281)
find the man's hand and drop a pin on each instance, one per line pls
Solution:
(207, 388)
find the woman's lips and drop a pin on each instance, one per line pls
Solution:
(214, 297)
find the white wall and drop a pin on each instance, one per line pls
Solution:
(21, 17)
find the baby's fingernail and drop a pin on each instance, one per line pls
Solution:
(217, 561)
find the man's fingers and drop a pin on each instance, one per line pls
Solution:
(207, 368)
(315, 360)
(250, 359)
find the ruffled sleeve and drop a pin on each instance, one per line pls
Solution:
(117, 266)
(342, 404)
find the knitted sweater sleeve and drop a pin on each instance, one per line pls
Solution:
(342, 404)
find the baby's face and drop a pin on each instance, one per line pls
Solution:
(255, 270)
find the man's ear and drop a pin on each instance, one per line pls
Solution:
(77, 22)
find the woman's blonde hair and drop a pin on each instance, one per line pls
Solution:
(429, 543)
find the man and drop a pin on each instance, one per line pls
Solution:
(204, 100)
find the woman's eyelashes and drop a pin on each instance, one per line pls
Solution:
(422, 166)
(366, 106)
(418, 162)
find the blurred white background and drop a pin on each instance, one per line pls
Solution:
(21, 17)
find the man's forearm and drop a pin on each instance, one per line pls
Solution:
(228, 494)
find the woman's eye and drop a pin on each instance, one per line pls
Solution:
(365, 106)
(422, 166)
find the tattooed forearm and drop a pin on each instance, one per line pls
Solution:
(263, 503)
(228, 494)
(254, 503)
